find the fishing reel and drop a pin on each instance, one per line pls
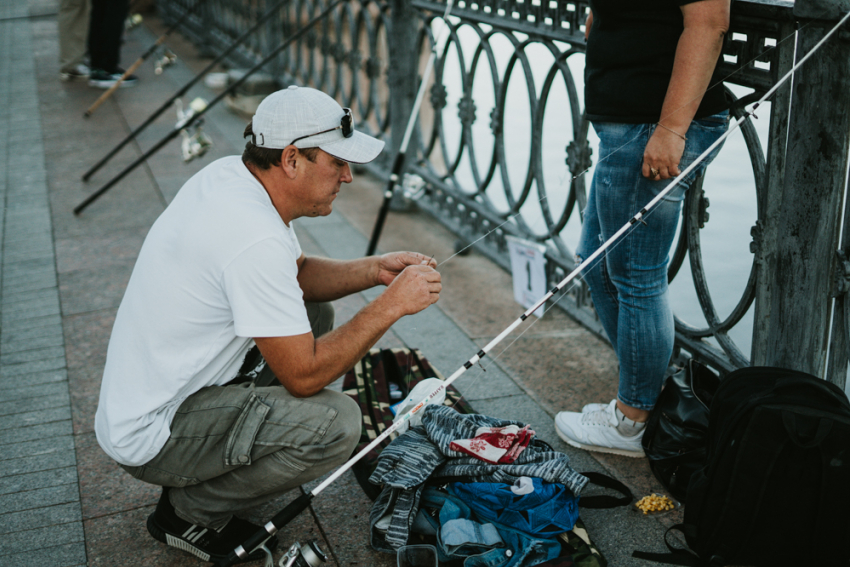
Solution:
(195, 141)
(413, 186)
(167, 60)
(133, 21)
(308, 555)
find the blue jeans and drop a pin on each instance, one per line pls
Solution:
(628, 283)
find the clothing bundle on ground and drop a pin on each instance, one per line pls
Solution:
(483, 509)
(382, 379)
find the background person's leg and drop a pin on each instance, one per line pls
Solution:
(73, 24)
(105, 31)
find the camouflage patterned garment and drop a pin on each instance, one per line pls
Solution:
(371, 383)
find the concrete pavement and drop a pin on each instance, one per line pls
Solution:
(63, 501)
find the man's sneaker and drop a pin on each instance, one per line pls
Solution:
(596, 430)
(78, 72)
(102, 80)
(208, 544)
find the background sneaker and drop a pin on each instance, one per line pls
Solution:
(597, 431)
(102, 80)
(208, 544)
(78, 72)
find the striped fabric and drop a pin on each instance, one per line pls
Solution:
(423, 453)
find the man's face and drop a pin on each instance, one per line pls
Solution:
(322, 181)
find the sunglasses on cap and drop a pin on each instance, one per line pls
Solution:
(344, 124)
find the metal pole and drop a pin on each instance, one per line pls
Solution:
(409, 57)
(794, 292)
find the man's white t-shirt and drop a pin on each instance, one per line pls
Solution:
(216, 269)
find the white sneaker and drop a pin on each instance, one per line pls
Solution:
(596, 430)
(593, 407)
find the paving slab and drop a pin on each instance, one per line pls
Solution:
(63, 276)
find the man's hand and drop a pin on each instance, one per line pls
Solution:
(414, 289)
(392, 264)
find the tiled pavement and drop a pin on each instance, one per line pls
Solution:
(40, 513)
(62, 501)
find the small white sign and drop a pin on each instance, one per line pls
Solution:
(528, 264)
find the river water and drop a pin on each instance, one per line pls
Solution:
(729, 182)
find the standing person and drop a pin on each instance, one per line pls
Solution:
(182, 403)
(106, 30)
(73, 23)
(673, 109)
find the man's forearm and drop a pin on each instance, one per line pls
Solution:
(305, 368)
(325, 279)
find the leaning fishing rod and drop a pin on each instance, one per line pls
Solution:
(398, 164)
(196, 116)
(299, 504)
(274, 9)
(141, 59)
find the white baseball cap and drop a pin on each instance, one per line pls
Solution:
(309, 118)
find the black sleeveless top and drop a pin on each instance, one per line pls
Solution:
(629, 62)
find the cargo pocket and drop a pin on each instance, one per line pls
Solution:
(159, 477)
(240, 438)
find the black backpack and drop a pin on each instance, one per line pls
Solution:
(775, 488)
(674, 440)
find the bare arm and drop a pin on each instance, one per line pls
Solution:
(706, 23)
(305, 365)
(324, 279)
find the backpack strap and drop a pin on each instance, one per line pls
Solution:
(604, 500)
(678, 555)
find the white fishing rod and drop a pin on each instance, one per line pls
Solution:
(398, 164)
(296, 506)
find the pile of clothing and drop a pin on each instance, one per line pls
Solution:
(485, 489)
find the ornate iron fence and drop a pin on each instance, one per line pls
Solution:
(508, 74)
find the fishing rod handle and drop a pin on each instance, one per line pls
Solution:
(269, 530)
(91, 198)
(185, 88)
(196, 117)
(114, 87)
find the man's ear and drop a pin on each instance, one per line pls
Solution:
(288, 161)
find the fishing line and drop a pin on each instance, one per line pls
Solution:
(619, 236)
(295, 507)
(564, 180)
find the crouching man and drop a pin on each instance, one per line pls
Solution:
(184, 404)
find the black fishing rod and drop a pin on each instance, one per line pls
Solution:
(140, 60)
(196, 116)
(398, 164)
(185, 88)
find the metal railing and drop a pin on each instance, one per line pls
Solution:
(510, 62)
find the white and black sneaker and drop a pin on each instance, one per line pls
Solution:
(101, 79)
(208, 544)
